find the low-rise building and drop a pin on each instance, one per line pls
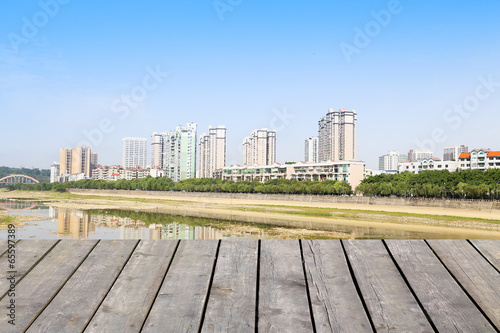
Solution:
(116, 172)
(432, 163)
(351, 171)
(481, 159)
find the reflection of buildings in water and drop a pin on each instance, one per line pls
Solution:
(207, 233)
(182, 231)
(133, 232)
(79, 225)
(76, 224)
(52, 212)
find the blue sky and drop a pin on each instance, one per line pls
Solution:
(257, 64)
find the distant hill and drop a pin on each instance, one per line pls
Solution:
(40, 175)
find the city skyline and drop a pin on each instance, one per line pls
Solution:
(424, 76)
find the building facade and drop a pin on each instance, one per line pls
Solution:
(482, 159)
(175, 152)
(452, 153)
(419, 154)
(260, 147)
(157, 150)
(311, 150)
(431, 164)
(337, 136)
(117, 172)
(54, 172)
(391, 160)
(134, 152)
(351, 171)
(212, 152)
(79, 160)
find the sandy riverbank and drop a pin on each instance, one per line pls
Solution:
(436, 222)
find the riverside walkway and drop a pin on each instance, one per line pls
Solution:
(244, 285)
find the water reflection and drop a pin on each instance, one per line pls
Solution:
(78, 224)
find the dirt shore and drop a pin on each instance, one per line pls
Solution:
(436, 222)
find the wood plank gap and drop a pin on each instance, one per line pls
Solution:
(257, 288)
(59, 289)
(111, 286)
(159, 287)
(462, 287)
(7, 249)
(482, 255)
(307, 287)
(358, 290)
(31, 268)
(410, 288)
(205, 303)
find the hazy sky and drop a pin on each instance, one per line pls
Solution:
(418, 73)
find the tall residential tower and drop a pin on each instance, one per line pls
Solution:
(175, 152)
(337, 136)
(260, 147)
(212, 151)
(311, 150)
(134, 152)
(78, 160)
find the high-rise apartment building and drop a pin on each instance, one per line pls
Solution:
(157, 151)
(311, 150)
(79, 160)
(337, 136)
(453, 152)
(175, 152)
(54, 172)
(391, 160)
(419, 154)
(212, 151)
(260, 148)
(134, 152)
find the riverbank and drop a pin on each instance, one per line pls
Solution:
(438, 222)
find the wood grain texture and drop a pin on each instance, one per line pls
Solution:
(473, 272)
(283, 302)
(28, 254)
(128, 302)
(231, 305)
(76, 302)
(490, 249)
(390, 302)
(447, 305)
(335, 301)
(44, 281)
(179, 304)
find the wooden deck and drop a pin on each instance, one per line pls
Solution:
(250, 285)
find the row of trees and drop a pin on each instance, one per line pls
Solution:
(284, 186)
(469, 184)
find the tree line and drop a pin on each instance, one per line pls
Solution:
(466, 184)
(40, 175)
(278, 186)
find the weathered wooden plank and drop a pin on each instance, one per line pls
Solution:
(179, 304)
(27, 254)
(390, 302)
(43, 282)
(283, 302)
(73, 306)
(127, 304)
(335, 302)
(490, 249)
(475, 274)
(231, 305)
(449, 308)
(4, 246)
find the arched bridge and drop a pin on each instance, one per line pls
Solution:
(16, 179)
